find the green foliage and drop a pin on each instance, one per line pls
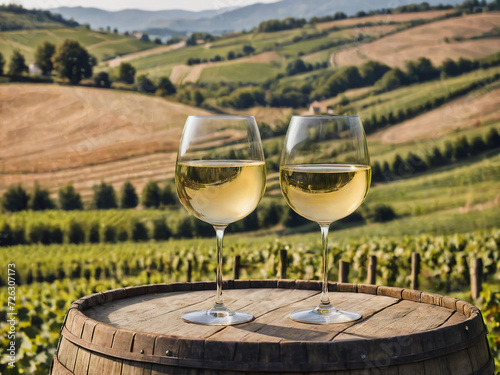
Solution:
(76, 234)
(293, 220)
(72, 61)
(248, 49)
(2, 64)
(94, 235)
(161, 232)
(69, 199)
(151, 195)
(198, 98)
(15, 199)
(383, 213)
(109, 234)
(40, 199)
(278, 25)
(391, 80)
(104, 196)
(17, 64)
(493, 138)
(421, 70)
(128, 196)
(168, 195)
(43, 57)
(145, 85)
(139, 231)
(102, 80)
(126, 73)
(165, 87)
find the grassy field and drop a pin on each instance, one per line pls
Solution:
(102, 45)
(241, 72)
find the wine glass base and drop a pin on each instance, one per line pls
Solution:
(324, 314)
(217, 316)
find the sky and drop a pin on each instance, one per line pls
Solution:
(193, 5)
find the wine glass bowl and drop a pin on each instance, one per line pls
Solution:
(220, 177)
(325, 175)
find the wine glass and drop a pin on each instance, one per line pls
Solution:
(325, 175)
(220, 176)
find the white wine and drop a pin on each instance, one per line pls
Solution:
(325, 192)
(220, 191)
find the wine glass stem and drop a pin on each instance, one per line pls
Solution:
(219, 230)
(324, 237)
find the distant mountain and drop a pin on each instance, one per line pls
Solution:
(226, 19)
(131, 19)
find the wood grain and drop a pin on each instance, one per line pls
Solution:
(401, 331)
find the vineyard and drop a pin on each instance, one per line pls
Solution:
(47, 287)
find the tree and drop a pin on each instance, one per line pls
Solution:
(168, 195)
(461, 149)
(383, 213)
(128, 196)
(145, 85)
(94, 233)
(102, 80)
(296, 67)
(104, 197)
(493, 138)
(158, 40)
(40, 200)
(109, 234)
(436, 158)
(247, 49)
(372, 71)
(43, 57)
(391, 80)
(293, 220)
(2, 64)
(15, 199)
(126, 73)
(72, 61)
(17, 65)
(477, 146)
(165, 87)
(76, 234)
(198, 98)
(69, 199)
(377, 175)
(161, 232)
(231, 55)
(139, 232)
(450, 68)
(151, 195)
(421, 70)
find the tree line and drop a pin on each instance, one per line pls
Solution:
(460, 149)
(71, 61)
(16, 198)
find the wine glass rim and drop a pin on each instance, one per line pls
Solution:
(327, 116)
(222, 116)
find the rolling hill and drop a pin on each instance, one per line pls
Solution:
(451, 38)
(56, 134)
(223, 19)
(103, 45)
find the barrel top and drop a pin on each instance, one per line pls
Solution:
(144, 324)
(386, 312)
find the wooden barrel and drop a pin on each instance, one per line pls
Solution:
(139, 330)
